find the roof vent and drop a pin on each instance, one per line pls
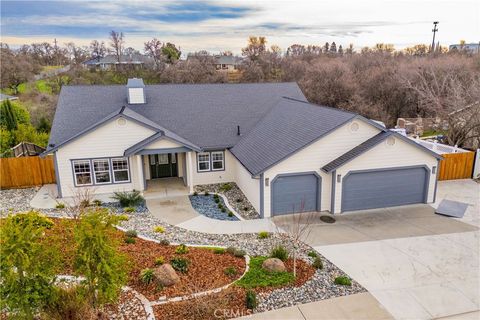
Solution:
(136, 91)
(238, 131)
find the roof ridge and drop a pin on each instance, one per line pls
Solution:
(183, 84)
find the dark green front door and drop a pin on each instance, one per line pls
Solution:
(163, 165)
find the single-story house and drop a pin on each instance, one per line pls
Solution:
(109, 62)
(285, 154)
(227, 63)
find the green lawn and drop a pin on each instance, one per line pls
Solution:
(432, 133)
(258, 277)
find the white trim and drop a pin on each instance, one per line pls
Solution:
(79, 173)
(102, 171)
(127, 169)
(222, 161)
(203, 161)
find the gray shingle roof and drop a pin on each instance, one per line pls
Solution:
(355, 152)
(206, 115)
(289, 126)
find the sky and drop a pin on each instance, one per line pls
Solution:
(219, 25)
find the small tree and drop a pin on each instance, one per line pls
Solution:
(97, 257)
(26, 266)
(298, 227)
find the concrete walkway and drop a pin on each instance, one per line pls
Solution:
(178, 211)
(353, 307)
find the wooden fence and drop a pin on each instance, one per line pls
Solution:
(26, 172)
(456, 166)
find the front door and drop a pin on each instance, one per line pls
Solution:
(163, 165)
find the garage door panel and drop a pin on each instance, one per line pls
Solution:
(290, 193)
(385, 188)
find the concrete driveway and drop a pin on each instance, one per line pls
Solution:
(417, 264)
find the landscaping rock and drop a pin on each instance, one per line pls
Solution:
(274, 265)
(165, 275)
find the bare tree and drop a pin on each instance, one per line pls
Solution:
(255, 47)
(97, 49)
(153, 48)
(116, 42)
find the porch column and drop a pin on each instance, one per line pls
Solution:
(190, 170)
(141, 173)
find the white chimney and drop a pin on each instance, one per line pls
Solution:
(136, 91)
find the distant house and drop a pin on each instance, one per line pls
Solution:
(468, 47)
(227, 63)
(109, 62)
(7, 97)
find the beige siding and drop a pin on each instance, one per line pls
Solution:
(228, 175)
(316, 155)
(164, 143)
(401, 154)
(249, 185)
(109, 140)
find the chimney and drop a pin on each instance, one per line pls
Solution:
(136, 91)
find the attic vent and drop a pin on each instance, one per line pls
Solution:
(354, 127)
(390, 141)
(136, 91)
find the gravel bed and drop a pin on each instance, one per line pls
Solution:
(319, 287)
(207, 206)
(235, 198)
(129, 308)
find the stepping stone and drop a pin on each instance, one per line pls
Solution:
(451, 208)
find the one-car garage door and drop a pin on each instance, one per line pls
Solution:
(384, 188)
(295, 193)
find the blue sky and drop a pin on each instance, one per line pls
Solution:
(226, 24)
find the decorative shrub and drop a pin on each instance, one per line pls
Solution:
(239, 253)
(22, 248)
(85, 203)
(230, 213)
(312, 254)
(216, 200)
(97, 202)
(251, 300)
(279, 252)
(159, 261)
(223, 210)
(180, 264)
(123, 217)
(129, 240)
(263, 235)
(231, 250)
(98, 257)
(226, 187)
(60, 205)
(68, 303)
(129, 198)
(164, 242)
(343, 280)
(317, 263)
(220, 206)
(206, 193)
(129, 209)
(131, 234)
(159, 229)
(195, 193)
(230, 271)
(146, 276)
(218, 250)
(181, 249)
(245, 208)
(239, 200)
(216, 196)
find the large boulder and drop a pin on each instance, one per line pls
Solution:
(165, 275)
(274, 265)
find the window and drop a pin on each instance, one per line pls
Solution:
(217, 161)
(163, 159)
(174, 158)
(152, 159)
(82, 172)
(203, 160)
(120, 170)
(101, 170)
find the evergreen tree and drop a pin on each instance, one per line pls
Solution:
(340, 50)
(7, 116)
(326, 47)
(44, 125)
(333, 47)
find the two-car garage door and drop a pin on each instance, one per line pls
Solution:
(384, 188)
